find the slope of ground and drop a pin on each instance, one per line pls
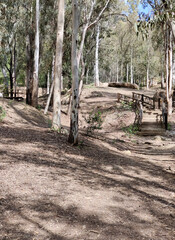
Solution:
(113, 186)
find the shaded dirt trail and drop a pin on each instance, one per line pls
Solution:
(108, 189)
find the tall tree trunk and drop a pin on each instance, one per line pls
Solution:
(110, 75)
(6, 87)
(11, 74)
(147, 76)
(48, 82)
(127, 73)
(87, 76)
(86, 26)
(52, 77)
(162, 74)
(62, 85)
(170, 107)
(56, 120)
(14, 67)
(121, 71)
(53, 66)
(162, 80)
(169, 51)
(49, 98)
(167, 63)
(147, 70)
(170, 62)
(73, 134)
(117, 71)
(97, 81)
(82, 76)
(36, 58)
(132, 80)
(174, 69)
(173, 28)
(30, 65)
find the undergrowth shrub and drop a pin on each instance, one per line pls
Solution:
(94, 121)
(169, 127)
(127, 105)
(2, 114)
(131, 129)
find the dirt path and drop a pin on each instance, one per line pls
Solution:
(110, 187)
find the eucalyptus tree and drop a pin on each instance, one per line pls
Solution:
(73, 134)
(36, 57)
(120, 55)
(164, 11)
(48, 29)
(97, 81)
(39, 47)
(109, 13)
(30, 47)
(56, 122)
(127, 57)
(91, 12)
(10, 23)
(163, 16)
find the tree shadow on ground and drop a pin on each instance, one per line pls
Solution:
(35, 214)
(31, 116)
(91, 166)
(15, 224)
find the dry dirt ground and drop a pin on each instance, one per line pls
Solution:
(112, 186)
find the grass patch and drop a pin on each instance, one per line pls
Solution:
(10, 102)
(127, 105)
(94, 121)
(39, 107)
(49, 123)
(2, 114)
(89, 86)
(169, 127)
(131, 129)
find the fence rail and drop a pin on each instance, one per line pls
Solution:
(144, 99)
(122, 97)
(140, 100)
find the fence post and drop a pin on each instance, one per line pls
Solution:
(158, 103)
(154, 104)
(118, 97)
(142, 99)
(166, 120)
(133, 96)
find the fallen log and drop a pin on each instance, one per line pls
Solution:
(19, 99)
(123, 85)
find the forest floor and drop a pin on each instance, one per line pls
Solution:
(114, 185)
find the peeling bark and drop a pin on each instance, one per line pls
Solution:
(48, 82)
(30, 65)
(36, 58)
(127, 73)
(97, 81)
(73, 134)
(6, 90)
(169, 60)
(132, 80)
(56, 120)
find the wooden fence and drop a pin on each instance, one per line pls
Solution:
(144, 99)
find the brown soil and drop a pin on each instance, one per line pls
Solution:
(112, 186)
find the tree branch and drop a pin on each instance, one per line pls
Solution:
(7, 68)
(120, 14)
(100, 14)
